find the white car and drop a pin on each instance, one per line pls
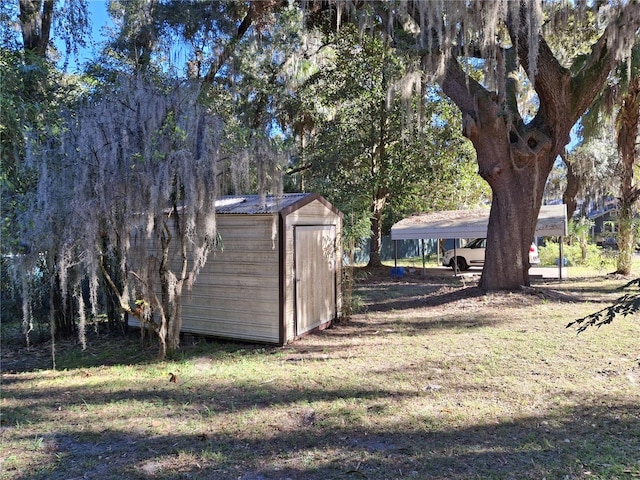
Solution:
(472, 255)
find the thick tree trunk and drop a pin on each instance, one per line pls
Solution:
(515, 163)
(517, 177)
(515, 157)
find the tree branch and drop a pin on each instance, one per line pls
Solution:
(634, 195)
(604, 52)
(551, 81)
(461, 88)
(112, 286)
(36, 25)
(301, 168)
(230, 47)
(137, 312)
(47, 20)
(511, 84)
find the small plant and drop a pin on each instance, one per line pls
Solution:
(38, 443)
(579, 233)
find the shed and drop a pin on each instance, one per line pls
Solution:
(277, 275)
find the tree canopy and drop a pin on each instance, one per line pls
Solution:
(377, 140)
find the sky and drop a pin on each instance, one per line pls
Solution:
(99, 20)
(99, 16)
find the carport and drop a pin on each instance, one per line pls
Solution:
(552, 222)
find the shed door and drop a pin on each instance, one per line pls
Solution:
(315, 265)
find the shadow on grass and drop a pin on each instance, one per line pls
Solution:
(37, 406)
(404, 297)
(417, 325)
(110, 350)
(102, 350)
(600, 441)
(384, 296)
(379, 292)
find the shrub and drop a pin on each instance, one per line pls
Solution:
(596, 257)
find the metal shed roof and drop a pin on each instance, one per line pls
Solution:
(552, 221)
(261, 204)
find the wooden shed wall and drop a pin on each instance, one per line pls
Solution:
(236, 294)
(313, 213)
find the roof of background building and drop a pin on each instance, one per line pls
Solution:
(552, 221)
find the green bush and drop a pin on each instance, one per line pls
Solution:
(596, 257)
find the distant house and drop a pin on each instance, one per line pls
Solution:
(278, 275)
(605, 226)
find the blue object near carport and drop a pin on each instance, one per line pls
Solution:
(397, 271)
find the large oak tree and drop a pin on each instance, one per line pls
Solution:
(515, 150)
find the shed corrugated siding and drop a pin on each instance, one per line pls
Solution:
(314, 213)
(236, 293)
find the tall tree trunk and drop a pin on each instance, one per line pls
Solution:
(629, 122)
(375, 243)
(378, 172)
(62, 310)
(175, 317)
(112, 277)
(625, 239)
(569, 197)
(171, 286)
(515, 159)
(36, 18)
(515, 162)
(167, 284)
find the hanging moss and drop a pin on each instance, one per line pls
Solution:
(134, 178)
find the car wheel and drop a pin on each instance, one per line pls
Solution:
(462, 264)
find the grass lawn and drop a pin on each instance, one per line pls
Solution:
(432, 380)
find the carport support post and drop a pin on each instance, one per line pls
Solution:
(395, 255)
(455, 257)
(561, 261)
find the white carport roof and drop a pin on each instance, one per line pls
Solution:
(552, 221)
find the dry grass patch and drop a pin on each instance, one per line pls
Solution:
(434, 380)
